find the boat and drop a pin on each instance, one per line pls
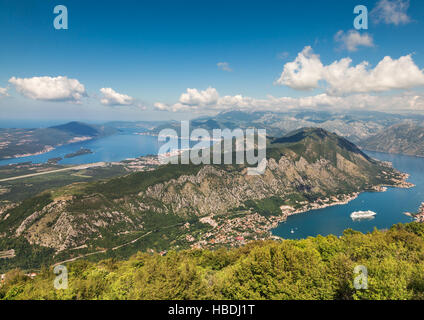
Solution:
(362, 214)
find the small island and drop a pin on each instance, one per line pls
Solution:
(80, 152)
(54, 160)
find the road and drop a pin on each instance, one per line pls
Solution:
(102, 251)
(80, 167)
(117, 247)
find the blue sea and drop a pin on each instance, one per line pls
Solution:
(389, 206)
(113, 148)
(124, 145)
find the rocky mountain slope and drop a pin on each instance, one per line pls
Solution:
(354, 125)
(404, 138)
(167, 205)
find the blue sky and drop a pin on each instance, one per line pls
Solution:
(152, 51)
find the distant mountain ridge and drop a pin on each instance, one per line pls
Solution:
(78, 128)
(353, 125)
(404, 138)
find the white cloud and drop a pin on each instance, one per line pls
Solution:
(307, 70)
(201, 98)
(3, 92)
(304, 72)
(225, 66)
(391, 12)
(398, 102)
(113, 98)
(49, 88)
(353, 39)
(161, 106)
(228, 102)
(192, 100)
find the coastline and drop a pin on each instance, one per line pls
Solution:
(318, 204)
(288, 211)
(253, 226)
(175, 137)
(394, 153)
(47, 148)
(419, 216)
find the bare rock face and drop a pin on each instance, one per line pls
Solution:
(404, 138)
(58, 227)
(214, 191)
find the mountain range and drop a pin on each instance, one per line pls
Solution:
(354, 125)
(178, 206)
(403, 138)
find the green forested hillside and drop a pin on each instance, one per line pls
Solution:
(314, 268)
(165, 208)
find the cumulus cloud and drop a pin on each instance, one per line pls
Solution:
(3, 92)
(113, 98)
(161, 106)
(49, 88)
(391, 12)
(353, 39)
(192, 100)
(225, 66)
(398, 102)
(304, 72)
(340, 77)
(201, 98)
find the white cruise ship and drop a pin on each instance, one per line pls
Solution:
(362, 214)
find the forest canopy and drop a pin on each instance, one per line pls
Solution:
(313, 268)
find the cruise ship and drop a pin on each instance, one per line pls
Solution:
(362, 214)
